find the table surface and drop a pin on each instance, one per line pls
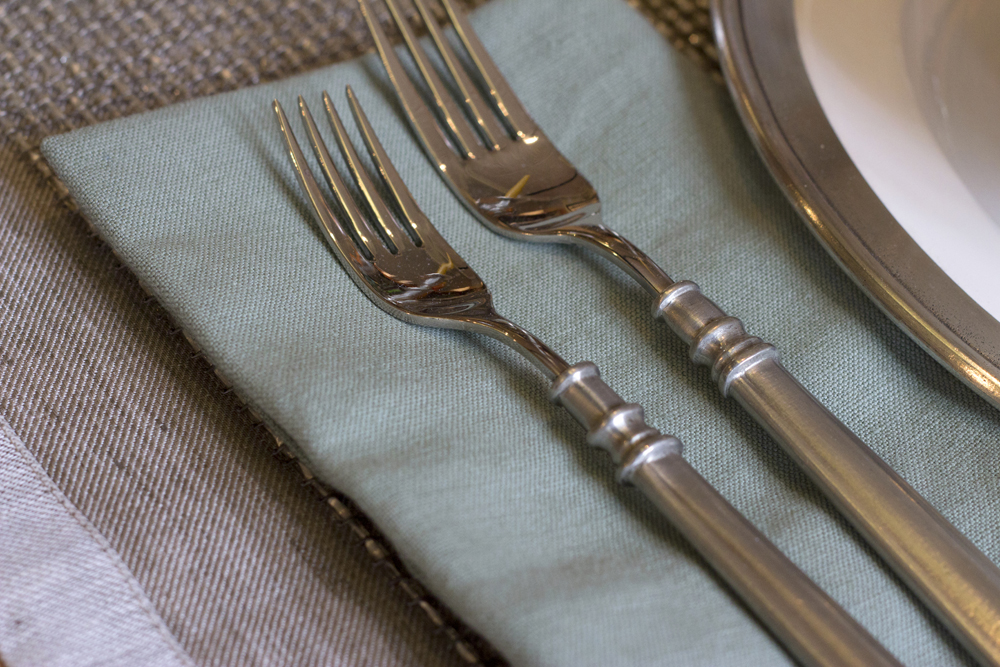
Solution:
(220, 526)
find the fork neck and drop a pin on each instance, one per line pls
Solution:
(619, 250)
(534, 350)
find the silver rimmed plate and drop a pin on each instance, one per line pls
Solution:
(783, 64)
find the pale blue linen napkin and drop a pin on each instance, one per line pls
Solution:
(447, 440)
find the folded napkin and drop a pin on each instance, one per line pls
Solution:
(446, 439)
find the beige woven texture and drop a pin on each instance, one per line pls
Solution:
(248, 561)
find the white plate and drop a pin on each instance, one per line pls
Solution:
(912, 89)
(880, 119)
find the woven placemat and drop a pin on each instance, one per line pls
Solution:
(66, 65)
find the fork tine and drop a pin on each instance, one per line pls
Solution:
(397, 235)
(423, 228)
(450, 111)
(364, 231)
(343, 244)
(494, 132)
(506, 101)
(421, 117)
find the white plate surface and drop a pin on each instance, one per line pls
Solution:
(912, 90)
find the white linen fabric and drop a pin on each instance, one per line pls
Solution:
(66, 597)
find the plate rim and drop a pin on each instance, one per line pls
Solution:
(813, 169)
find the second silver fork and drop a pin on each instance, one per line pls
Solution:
(406, 268)
(501, 165)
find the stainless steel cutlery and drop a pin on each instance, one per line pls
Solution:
(405, 267)
(497, 161)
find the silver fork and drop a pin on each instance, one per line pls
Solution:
(406, 268)
(497, 160)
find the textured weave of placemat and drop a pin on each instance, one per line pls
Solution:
(65, 65)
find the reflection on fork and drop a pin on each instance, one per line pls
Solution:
(497, 160)
(400, 261)
(507, 173)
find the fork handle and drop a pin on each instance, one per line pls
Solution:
(951, 576)
(814, 628)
